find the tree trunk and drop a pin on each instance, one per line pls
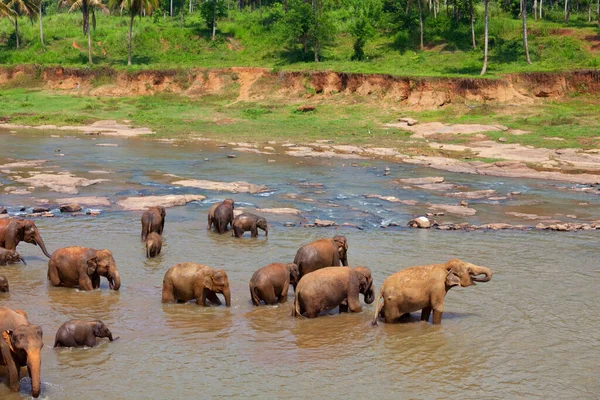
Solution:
(94, 19)
(171, 10)
(182, 9)
(89, 38)
(17, 29)
(191, 9)
(525, 44)
(260, 8)
(541, 1)
(316, 46)
(130, 37)
(472, 24)
(214, 27)
(598, 10)
(407, 6)
(566, 7)
(41, 26)
(535, 6)
(421, 22)
(589, 11)
(86, 16)
(485, 40)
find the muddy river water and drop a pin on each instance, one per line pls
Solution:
(531, 332)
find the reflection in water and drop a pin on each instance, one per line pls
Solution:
(521, 335)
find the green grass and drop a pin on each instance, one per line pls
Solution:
(243, 40)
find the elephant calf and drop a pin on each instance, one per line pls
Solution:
(3, 284)
(328, 288)
(189, 281)
(424, 288)
(271, 283)
(9, 256)
(153, 244)
(248, 222)
(153, 220)
(77, 333)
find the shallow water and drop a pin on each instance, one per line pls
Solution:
(530, 332)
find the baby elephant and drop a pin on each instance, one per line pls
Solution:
(153, 244)
(248, 222)
(77, 333)
(9, 256)
(3, 284)
(271, 283)
(330, 287)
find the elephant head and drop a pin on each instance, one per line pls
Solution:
(217, 281)
(229, 201)
(162, 211)
(465, 274)
(103, 263)
(294, 274)
(366, 283)
(342, 244)
(102, 331)
(26, 231)
(25, 344)
(14, 257)
(262, 224)
(3, 284)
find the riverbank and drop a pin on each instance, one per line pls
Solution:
(533, 126)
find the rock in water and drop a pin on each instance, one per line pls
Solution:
(74, 207)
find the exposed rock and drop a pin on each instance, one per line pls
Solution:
(144, 202)
(3, 210)
(19, 165)
(452, 209)
(70, 208)
(234, 187)
(391, 199)
(231, 156)
(497, 198)
(88, 201)
(514, 193)
(33, 215)
(281, 211)
(527, 216)
(422, 222)
(497, 226)
(289, 224)
(475, 194)
(421, 181)
(61, 183)
(442, 187)
(324, 223)
(107, 144)
(349, 225)
(47, 215)
(40, 210)
(93, 213)
(463, 203)
(409, 121)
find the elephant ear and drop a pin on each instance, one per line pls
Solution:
(92, 265)
(208, 280)
(7, 335)
(452, 279)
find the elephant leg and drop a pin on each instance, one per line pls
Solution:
(167, 292)
(95, 281)
(212, 296)
(353, 300)
(344, 307)
(254, 232)
(437, 317)
(425, 313)
(284, 292)
(53, 275)
(437, 303)
(268, 295)
(237, 232)
(312, 313)
(391, 313)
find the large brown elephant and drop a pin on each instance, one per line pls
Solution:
(153, 220)
(21, 346)
(211, 215)
(82, 267)
(330, 287)
(9, 257)
(424, 288)
(13, 231)
(271, 283)
(78, 333)
(223, 215)
(320, 254)
(249, 222)
(190, 281)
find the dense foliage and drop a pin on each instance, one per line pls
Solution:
(416, 37)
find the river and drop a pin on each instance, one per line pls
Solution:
(531, 332)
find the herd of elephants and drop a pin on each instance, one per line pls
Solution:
(318, 280)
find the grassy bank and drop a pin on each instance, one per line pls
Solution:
(246, 39)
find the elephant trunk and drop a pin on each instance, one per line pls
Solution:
(370, 295)
(34, 365)
(344, 260)
(114, 280)
(475, 270)
(266, 231)
(110, 337)
(40, 242)
(227, 295)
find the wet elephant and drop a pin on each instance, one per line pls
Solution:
(223, 215)
(3, 284)
(249, 222)
(9, 257)
(331, 287)
(424, 288)
(13, 231)
(153, 244)
(78, 333)
(153, 220)
(82, 267)
(190, 281)
(21, 346)
(271, 283)
(322, 253)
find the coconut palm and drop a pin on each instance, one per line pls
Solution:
(135, 8)
(92, 5)
(485, 38)
(20, 8)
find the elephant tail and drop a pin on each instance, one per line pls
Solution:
(296, 309)
(378, 307)
(254, 295)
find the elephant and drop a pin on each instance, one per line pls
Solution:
(153, 244)
(83, 267)
(330, 287)
(248, 222)
(78, 333)
(271, 283)
(10, 256)
(13, 231)
(3, 284)
(424, 288)
(21, 346)
(189, 281)
(320, 254)
(223, 215)
(153, 220)
(211, 214)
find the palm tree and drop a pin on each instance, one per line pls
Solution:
(485, 40)
(41, 26)
(135, 8)
(19, 8)
(84, 6)
(525, 44)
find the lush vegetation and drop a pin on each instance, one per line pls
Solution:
(369, 36)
